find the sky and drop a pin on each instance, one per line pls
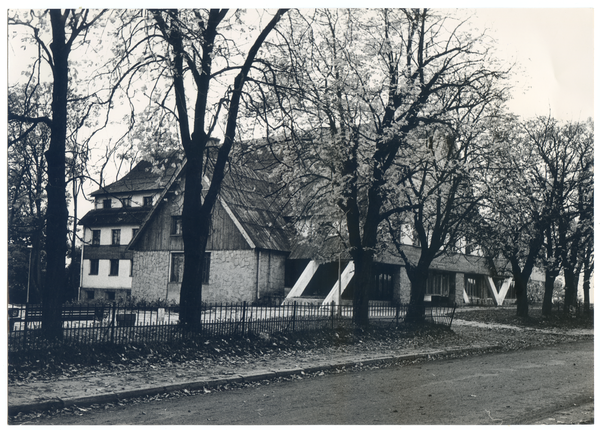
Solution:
(555, 49)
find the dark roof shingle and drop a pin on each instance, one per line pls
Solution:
(143, 177)
(120, 216)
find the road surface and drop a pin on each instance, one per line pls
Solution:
(521, 387)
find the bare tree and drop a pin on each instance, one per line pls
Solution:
(540, 185)
(199, 56)
(443, 195)
(26, 195)
(355, 86)
(56, 33)
(566, 171)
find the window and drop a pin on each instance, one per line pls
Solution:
(148, 201)
(110, 295)
(176, 226)
(134, 232)
(438, 284)
(116, 236)
(107, 203)
(95, 237)
(126, 202)
(131, 267)
(94, 264)
(476, 288)
(114, 268)
(383, 285)
(511, 294)
(89, 295)
(177, 267)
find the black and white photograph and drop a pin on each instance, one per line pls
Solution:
(324, 214)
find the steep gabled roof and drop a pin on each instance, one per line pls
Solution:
(143, 177)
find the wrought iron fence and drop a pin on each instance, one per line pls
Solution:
(123, 324)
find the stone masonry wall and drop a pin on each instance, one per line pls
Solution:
(232, 277)
(272, 273)
(150, 275)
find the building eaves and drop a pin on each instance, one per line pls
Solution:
(120, 216)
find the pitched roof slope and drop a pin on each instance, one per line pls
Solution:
(143, 177)
(252, 201)
(120, 216)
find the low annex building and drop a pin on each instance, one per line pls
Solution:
(133, 246)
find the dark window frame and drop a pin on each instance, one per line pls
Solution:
(114, 267)
(147, 200)
(115, 236)
(176, 226)
(476, 288)
(176, 271)
(94, 266)
(96, 240)
(439, 283)
(106, 203)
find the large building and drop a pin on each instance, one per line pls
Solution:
(133, 247)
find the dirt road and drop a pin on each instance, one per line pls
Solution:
(553, 385)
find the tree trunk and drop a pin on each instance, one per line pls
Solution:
(548, 292)
(195, 225)
(587, 273)
(363, 275)
(571, 281)
(56, 212)
(418, 285)
(521, 294)
(418, 280)
(521, 280)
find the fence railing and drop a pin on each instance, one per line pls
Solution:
(123, 324)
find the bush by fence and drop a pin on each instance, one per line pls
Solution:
(142, 324)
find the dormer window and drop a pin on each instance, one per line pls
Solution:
(126, 202)
(148, 201)
(106, 203)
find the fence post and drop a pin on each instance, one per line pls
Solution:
(243, 318)
(25, 328)
(113, 322)
(452, 317)
(397, 314)
(294, 318)
(332, 315)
